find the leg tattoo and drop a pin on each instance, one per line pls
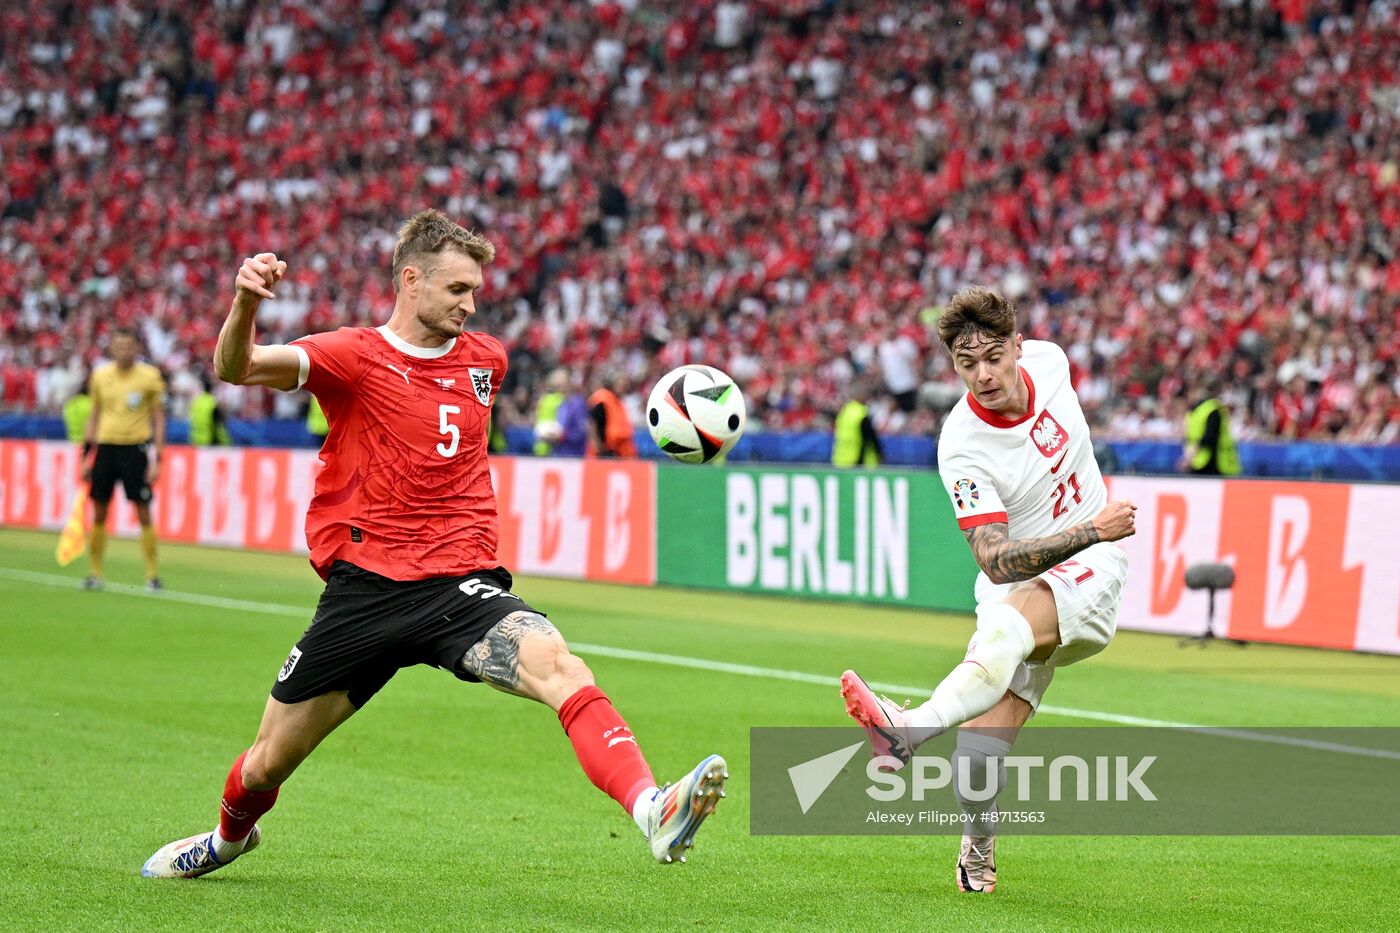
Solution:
(496, 658)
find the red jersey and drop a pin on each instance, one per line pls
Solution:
(404, 490)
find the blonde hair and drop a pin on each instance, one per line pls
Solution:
(429, 232)
(976, 309)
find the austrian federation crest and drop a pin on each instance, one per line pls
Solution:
(289, 665)
(481, 385)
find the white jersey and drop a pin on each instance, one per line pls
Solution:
(1036, 473)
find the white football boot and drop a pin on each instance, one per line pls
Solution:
(678, 809)
(192, 857)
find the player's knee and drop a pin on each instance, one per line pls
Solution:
(552, 662)
(572, 671)
(1004, 630)
(267, 766)
(1034, 602)
(258, 773)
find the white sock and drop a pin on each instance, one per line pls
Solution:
(1002, 641)
(642, 808)
(225, 849)
(970, 772)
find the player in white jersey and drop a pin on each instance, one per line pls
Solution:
(1016, 460)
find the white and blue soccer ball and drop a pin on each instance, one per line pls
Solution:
(696, 413)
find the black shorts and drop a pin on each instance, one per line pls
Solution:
(125, 462)
(366, 627)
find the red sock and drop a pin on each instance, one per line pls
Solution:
(605, 747)
(241, 807)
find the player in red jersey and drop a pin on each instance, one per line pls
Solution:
(403, 529)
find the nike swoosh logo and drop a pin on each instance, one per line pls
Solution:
(1056, 467)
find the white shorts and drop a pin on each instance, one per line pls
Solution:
(1087, 588)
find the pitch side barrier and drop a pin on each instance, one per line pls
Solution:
(1315, 562)
(1293, 459)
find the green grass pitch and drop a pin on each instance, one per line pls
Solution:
(446, 805)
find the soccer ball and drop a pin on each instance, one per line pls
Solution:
(695, 413)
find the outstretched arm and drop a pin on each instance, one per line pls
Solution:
(237, 359)
(1010, 560)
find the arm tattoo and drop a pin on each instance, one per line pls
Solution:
(1008, 560)
(496, 658)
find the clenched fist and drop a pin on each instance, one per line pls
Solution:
(1116, 521)
(259, 275)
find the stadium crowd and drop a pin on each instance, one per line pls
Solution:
(1174, 191)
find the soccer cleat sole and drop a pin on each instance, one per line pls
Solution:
(854, 707)
(705, 797)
